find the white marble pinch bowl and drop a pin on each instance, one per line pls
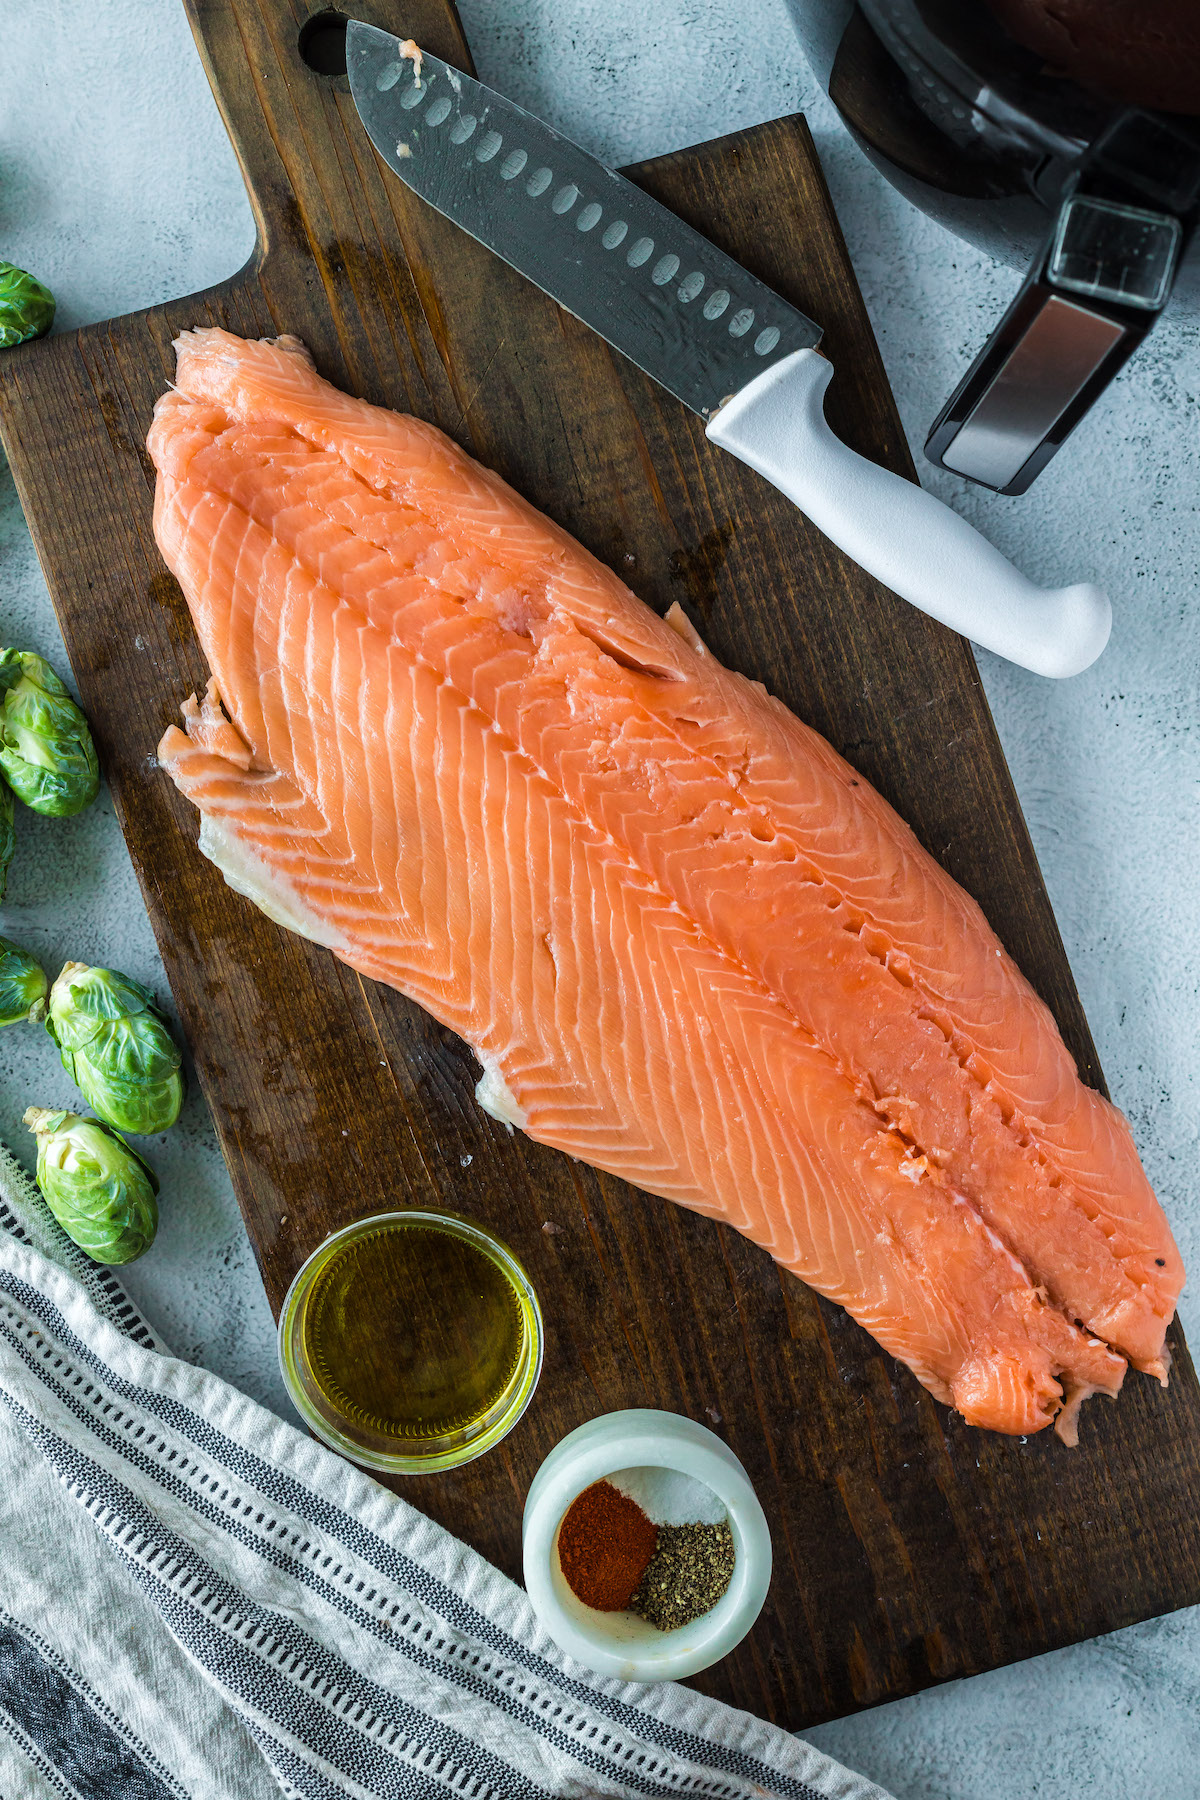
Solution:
(620, 1643)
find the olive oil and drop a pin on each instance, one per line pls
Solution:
(413, 1334)
(411, 1340)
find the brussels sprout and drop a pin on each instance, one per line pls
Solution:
(8, 834)
(26, 306)
(116, 1047)
(22, 984)
(46, 749)
(95, 1184)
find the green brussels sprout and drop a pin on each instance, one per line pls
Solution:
(22, 984)
(95, 1184)
(116, 1048)
(46, 749)
(26, 306)
(8, 834)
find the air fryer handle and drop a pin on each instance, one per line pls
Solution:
(1039, 372)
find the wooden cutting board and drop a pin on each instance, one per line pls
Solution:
(909, 1548)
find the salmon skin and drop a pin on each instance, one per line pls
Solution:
(687, 943)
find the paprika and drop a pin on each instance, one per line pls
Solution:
(605, 1544)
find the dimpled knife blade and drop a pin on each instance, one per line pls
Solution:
(653, 288)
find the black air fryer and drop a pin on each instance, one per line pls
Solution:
(1062, 136)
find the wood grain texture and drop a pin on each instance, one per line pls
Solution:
(909, 1548)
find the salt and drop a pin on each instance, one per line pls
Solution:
(669, 1498)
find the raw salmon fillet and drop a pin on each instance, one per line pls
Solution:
(686, 942)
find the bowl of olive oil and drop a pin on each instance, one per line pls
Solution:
(411, 1341)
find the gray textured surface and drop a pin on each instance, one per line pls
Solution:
(120, 193)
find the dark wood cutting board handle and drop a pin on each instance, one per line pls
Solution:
(293, 130)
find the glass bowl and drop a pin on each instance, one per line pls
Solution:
(431, 1333)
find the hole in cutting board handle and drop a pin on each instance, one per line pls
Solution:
(322, 43)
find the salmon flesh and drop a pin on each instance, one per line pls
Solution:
(687, 943)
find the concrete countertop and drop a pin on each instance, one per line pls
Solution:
(118, 187)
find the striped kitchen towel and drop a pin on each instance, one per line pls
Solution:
(197, 1602)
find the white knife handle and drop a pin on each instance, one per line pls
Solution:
(912, 542)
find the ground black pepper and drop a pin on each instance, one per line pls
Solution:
(691, 1568)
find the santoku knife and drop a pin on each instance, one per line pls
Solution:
(698, 323)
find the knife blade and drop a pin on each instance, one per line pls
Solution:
(688, 315)
(707, 330)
